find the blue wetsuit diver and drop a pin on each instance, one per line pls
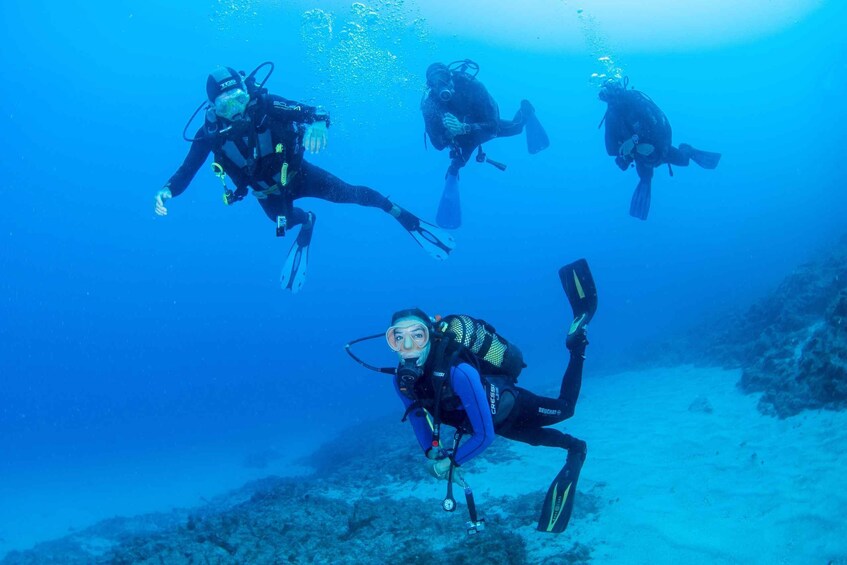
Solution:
(638, 131)
(458, 371)
(258, 140)
(459, 113)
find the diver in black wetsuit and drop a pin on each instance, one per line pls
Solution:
(459, 113)
(258, 140)
(638, 131)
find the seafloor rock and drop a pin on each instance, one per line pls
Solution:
(799, 359)
(791, 346)
(701, 404)
(346, 512)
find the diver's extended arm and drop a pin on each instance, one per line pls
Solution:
(179, 181)
(200, 149)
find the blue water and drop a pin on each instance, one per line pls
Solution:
(140, 353)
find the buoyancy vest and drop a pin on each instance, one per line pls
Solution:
(463, 339)
(260, 153)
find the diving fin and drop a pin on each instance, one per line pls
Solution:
(579, 287)
(536, 137)
(294, 271)
(705, 159)
(639, 207)
(435, 241)
(558, 504)
(449, 215)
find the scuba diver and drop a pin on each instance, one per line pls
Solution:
(638, 131)
(460, 372)
(459, 113)
(258, 140)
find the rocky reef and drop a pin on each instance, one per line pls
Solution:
(349, 510)
(791, 345)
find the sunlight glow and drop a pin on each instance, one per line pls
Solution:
(647, 25)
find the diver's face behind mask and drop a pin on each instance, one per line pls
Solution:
(409, 337)
(232, 104)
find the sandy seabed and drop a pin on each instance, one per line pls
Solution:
(686, 470)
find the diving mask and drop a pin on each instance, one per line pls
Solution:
(231, 104)
(408, 338)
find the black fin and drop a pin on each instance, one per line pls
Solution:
(294, 271)
(435, 241)
(449, 215)
(578, 283)
(705, 159)
(536, 137)
(558, 504)
(639, 207)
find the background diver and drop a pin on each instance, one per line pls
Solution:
(258, 140)
(459, 113)
(638, 131)
(458, 371)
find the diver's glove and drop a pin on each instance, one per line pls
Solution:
(161, 196)
(316, 137)
(623, 162)
(440, 469)
(454, 126)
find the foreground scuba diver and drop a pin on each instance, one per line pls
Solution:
(258, 139)
(458, 371)
(638, 131)
(459, 113)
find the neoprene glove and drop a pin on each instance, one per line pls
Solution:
(623, 163)
(161, 196)
(454, 126)
(316, 137)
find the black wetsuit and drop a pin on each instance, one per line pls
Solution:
(473, 105)
(525, 421)
(633, 113)
(254, 154)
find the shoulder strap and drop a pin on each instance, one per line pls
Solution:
(445, 354)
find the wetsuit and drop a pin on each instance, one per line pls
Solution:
(265, 154)
(633, 113)
(473, 105)
(483, 407)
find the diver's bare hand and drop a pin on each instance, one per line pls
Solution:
(161, 196)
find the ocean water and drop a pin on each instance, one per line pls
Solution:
(145, 362)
